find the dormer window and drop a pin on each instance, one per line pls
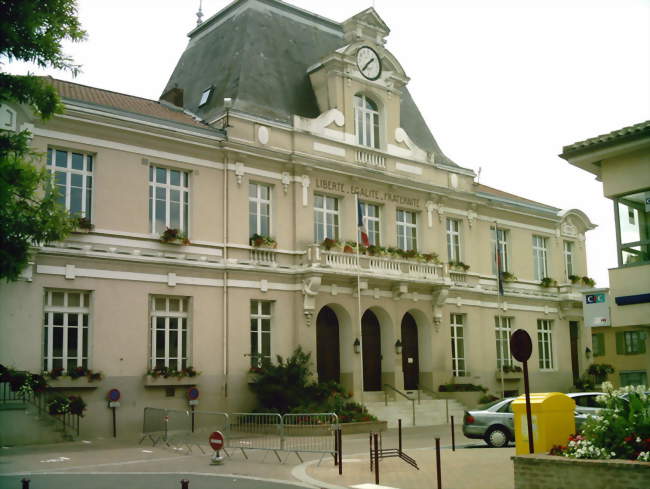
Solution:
(205, 96)
(366, 121)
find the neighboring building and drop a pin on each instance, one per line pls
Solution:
(621, 160)
(319, 113)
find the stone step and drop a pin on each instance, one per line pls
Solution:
(428, 412)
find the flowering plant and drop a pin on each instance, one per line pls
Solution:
(621, 430)
(262, 241)
(173, 235)
(166, 372)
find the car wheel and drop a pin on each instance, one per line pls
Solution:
(496, 438)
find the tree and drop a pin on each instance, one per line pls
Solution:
(31, 30)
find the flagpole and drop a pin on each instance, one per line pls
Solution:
(499, 288)
(356, 207)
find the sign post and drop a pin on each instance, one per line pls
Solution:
(216, 442)
(113, 403)
(521, 347)
(193, 399)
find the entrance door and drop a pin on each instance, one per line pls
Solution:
(410, 362)
(327, 346)
(371, 352)
(573, 332)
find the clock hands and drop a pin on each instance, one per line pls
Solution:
(367, 64)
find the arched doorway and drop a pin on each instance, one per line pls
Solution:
(410, 356)
(327, 346)
(371, 336)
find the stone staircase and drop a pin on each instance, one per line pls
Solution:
(428, 412)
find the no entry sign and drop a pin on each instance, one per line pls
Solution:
(216, 441)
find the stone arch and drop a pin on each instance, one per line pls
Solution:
(328, 351)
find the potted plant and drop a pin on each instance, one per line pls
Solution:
(548, 282)
(575, 279)
(329, 244)
(459, 266)
(588, 281)
(508, 277)
(376, 250)
(84, 224)
(600, 371)
(261, 241)
(349, 247)
(174, 236)
(430, 257)
(76, 405)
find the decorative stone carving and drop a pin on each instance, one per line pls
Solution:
(240, 171)
(403, 138)
(569, 230)
(439, 296)
(430, 206)
(399, 290)
(310, 289)
(263, 135)
(471, 216)
(318, 125)
(306, 182)
(286, 180)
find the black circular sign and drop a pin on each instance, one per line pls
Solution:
(521, 346)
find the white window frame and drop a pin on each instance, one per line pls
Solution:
(182, 316)
(49, 310)
(540, 257)
(407, 232)
(86, 174)
(366, 121)
(373, 223)
(258, 201)
(330, 209)
(257, 319)
(503, 331)
(458, 362)
(453, 239)
(504, 239)
(568, 258)
(545, 344)
(168, 188)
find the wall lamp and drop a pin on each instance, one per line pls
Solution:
(588, 352)
(357, 346)
(227, 104)
(398, 347)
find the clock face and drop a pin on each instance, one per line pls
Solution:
(368, 63)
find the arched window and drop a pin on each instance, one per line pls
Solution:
(366, 121)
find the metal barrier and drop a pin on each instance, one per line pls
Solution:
(255, 431)
(314, 433)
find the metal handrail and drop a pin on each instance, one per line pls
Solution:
(403, 394)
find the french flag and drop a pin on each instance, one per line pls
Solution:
(362, 225)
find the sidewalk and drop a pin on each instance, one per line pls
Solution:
(464, 469)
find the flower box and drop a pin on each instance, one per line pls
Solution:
(150, 381)
(509, 375)
(65, 382)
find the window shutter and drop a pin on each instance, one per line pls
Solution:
(642, 340)
(620, 344)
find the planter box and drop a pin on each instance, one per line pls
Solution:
(150, 381)
(469, 399)
(509, 375)
(65, 382)
(363, 427)
(552, 472)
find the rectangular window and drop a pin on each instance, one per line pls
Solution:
(65, 329)
(259, 209)
(73, 177)
(326, 218)
(545, 343)
(370, 213)
(598, 344)
(169, 199)
(407, 230)
(503, 330)
(632, 216)
(458, 368)
(634, 377)
(540, 264)
(504, 249)
(453, 239)
(568, 258)
(630, 342)
(169, 332)
(260, 332)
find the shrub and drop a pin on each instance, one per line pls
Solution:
(600, 371)
(548, 282)
(487, 399)
(621, 430)
(453, 387)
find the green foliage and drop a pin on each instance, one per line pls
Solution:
(508, 277)
(287, 387)
(621, 430)
(458, 265)
(585, 383)
(588, 281)
(31, 30)
(548, 282)
(487, 398)
(453, 387)
(600, 371)
(262, 241)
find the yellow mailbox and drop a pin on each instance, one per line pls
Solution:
(552, 415)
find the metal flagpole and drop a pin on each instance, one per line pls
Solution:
(356, 206)
(497, 256)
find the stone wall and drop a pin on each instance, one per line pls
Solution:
(552, 472)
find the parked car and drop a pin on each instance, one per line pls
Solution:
(494, 422)
(586, 402)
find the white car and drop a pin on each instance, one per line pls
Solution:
(586, 402)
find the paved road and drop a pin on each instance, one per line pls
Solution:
(142, 481)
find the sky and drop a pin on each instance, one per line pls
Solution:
(503, 85)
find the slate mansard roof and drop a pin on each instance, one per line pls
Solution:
(257, 52)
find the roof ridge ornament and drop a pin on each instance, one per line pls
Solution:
(199, 14)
